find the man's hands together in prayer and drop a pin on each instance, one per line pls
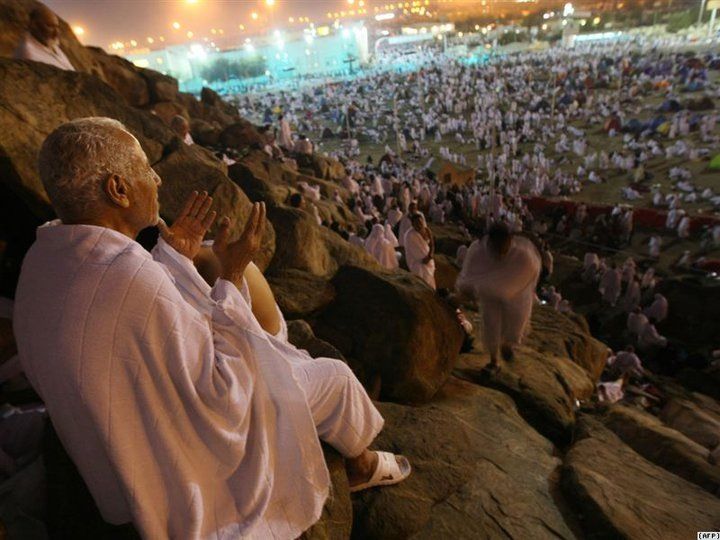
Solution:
(187, 232)
(235, 256)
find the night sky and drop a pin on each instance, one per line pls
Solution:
(107, 21)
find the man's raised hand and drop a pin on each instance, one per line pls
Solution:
(235, 256)
(188, 230)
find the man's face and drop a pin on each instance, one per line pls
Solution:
(44, 27)
(145, 206)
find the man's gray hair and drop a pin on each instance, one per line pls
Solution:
(78, 157)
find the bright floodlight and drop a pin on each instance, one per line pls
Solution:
(384, 16)
(79, 31)
(176, 25)
(254, 16)
(191, 1)
(270, 3)
(568, 10)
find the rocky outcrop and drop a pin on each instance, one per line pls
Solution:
(301, 334)
(396, 330)
(337, 517)
(300, 294)
(619, 494)
(479, 471)
(664, 446)
(699, 423)
(547, 389)
(566, 336)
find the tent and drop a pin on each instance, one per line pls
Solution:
(715, 163)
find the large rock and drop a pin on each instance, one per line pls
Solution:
(664, 446)
(311, 248)
(301, 334)
(395, 328)
(699, 423)
(619, 494)
(545, 388)
(448, 238)
(240, 135)
(336, 520)
(567, 336)
(479, 471)
(300, 294)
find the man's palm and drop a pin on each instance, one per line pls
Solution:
(188, 230)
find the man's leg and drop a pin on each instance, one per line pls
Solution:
(344, 415)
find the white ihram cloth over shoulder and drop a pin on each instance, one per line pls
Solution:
(505, 287)
(165, 409)
(30, 48)
(416, 249)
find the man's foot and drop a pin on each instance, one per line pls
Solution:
(372, 469)
(507, 353)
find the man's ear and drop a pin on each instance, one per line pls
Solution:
(117, 190)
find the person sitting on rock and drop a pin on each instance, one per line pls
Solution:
(627, 362)
(183, 414)
(303, 146)
(41, 43)
(182, 129)
(501, 272)
(420, 250)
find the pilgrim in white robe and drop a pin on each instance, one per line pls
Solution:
(180, 412)
(380, 248)
(390, 236)
(610, 286)
(636, 322)
(658, 310)
(285, 138)
(505, 288)
(31, 49)
(416, 249)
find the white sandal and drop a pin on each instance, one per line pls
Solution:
(387, 472)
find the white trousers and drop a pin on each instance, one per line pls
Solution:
(344, 415)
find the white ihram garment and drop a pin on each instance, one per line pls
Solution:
(416, 249)
(180, 412)
(31, 49)
(380, 248)
(505, 288)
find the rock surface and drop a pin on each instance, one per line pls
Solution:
(479, 471)
(619, 494)
(395, 328)
(664, 446)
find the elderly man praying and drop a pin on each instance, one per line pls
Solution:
(184, 413)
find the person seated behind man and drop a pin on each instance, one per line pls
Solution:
(182, 129)
(183, 413)
(41, 43)
(303, 146)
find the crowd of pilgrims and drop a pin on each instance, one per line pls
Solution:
(526, 119)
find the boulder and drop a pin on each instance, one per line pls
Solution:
(336, 520)
(8, 349)
(167, 110)
(699, 423)
(241, 134)
(446, 272)
(301, 334)
(664, 446)
(160, 87)
(395, 328)
(300, 294)
(448, 238)
(204, 133)
(479, 471)
(619, 494)
(566, 335)
(547, 389)
(124, 78)
(308, 247)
